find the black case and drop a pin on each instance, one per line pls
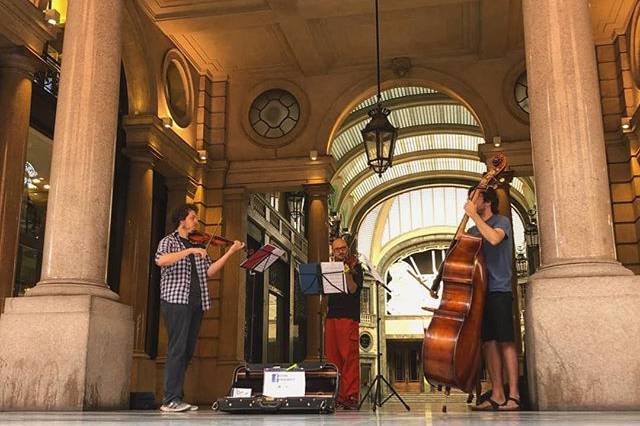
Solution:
(321, 389)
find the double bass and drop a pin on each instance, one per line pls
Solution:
(451, 349)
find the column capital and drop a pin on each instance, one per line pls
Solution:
(318, 189)
(518, 153)
(143, 154)
(22, 60)
(182, 183)
(235, 194)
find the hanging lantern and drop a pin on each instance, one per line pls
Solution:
(295, 202)
(379, 135)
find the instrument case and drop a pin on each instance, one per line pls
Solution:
(321, 390)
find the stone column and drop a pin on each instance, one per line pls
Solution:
(17, 67)
(232, 289)
(136, 255)
(583, 331)
(68, 345)
(318, 237)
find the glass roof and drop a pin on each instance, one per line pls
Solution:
(394, 93)
(421, 209)
(439, 115)
(439, 137)
(422, 166)
(419, 143)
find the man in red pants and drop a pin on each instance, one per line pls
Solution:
(342, 328)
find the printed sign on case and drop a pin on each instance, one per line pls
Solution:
(282, 384)
(241, 393)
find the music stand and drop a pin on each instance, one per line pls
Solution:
(259, 261)
(378, 401)
(320, 279)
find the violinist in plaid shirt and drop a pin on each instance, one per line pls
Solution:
(184, 296)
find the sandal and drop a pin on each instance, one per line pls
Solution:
(504, 407)
(494, 406)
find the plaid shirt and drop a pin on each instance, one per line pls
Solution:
(175, 280)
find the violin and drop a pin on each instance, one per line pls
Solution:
(351, 261)
(204, 239)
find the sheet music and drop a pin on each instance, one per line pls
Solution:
(333, 279)
(263, 258)
(372, 270)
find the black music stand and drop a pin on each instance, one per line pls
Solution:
(320, 279)
(259, 261)
(378, 401)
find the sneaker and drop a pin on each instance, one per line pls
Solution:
(192, 407)
(176, 407)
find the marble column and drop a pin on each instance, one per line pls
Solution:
(583, 331)
(82, 359)
(17, 67)
(232, 289)
(318, 237)
(136, 255)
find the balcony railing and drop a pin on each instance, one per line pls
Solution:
(48, 79)
(277, 225)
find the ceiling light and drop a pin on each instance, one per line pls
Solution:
(36, 180)
(497, 141)
(52, 16)
(47, 186)
(31, 186)
(167, 122)
(379, 135)
(313, 155)
(202, 154)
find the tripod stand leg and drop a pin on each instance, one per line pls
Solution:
(394, 393)
(364, 398)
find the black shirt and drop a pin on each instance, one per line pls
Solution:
(347, 305)
(194, 289)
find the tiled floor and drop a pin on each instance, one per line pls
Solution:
(392, 414)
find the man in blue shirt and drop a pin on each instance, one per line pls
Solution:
(497, 322)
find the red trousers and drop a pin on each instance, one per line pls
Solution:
(341, 345)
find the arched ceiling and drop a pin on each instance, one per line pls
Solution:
(430, 215)
(438, 137)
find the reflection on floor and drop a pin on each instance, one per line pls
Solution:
(389, 414)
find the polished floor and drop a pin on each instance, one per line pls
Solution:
(391, 414)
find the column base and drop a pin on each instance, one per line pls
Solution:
(69, 353)
(583, 341)
(69, 287)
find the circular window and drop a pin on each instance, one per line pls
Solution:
(178, 89)
(366, 341)
(274, 113)
(521, 92)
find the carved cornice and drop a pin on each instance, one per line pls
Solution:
(280, 174)
(148, 138)
(21, 59)
(23, 24)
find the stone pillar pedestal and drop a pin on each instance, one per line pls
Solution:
(318, 233)
(583, 327)
(67, 345)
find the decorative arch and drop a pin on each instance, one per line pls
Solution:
(422, 77)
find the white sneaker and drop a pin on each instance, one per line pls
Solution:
(176, 407)
(192, 407)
